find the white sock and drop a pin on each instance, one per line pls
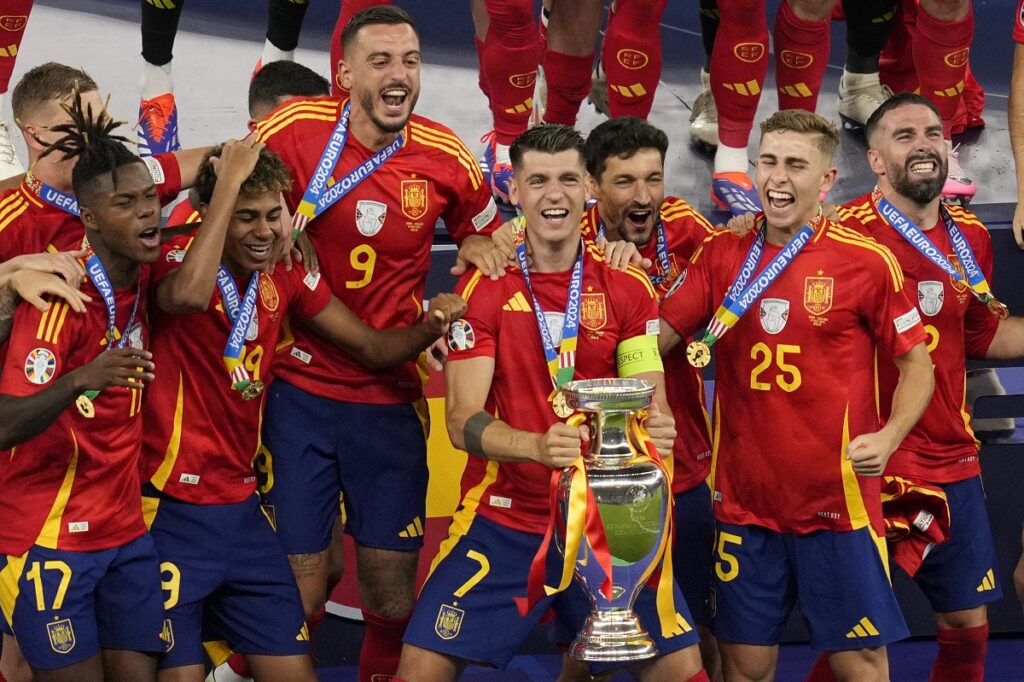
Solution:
(272, 53)
(730, 159)
(3, 106)
(156, 80)
(860, 80)
(501, 154)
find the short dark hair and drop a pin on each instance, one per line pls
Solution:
(547, 138)
(805, 122)
(89, 136)
(377, 14)
(285, 79)
(622, 137)
(269, 175)
(898, 100)
(46, 83)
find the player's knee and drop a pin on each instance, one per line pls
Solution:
(867, 665)
(423, 665)
(744, 663)
(812, 10)
(968, 618)
(946, 10)
(678, 665)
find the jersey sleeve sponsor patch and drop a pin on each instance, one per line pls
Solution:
(311, 280)
(156, 171)
(907, 320)
(484, 217)
(461, 335)
(40, 365)
(653, 327)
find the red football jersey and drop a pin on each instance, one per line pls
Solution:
(75, 486)
(795, 378)
(1018, 23)
(201, 436)
(941, 448)
(28, 224)
(685, 230)
(374, 244)
(500, 323)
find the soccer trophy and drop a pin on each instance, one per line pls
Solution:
(632, 497)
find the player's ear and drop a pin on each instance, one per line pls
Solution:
(828, 180)
(875, 162)
(513, 191)
(344, 75)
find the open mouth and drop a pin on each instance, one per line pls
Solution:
(150, 237)
(638, 217)
(259, 251)
(555, 214)
(923, 167)
(394, 99)
(778, 199)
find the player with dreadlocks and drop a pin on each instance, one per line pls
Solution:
(80, 583)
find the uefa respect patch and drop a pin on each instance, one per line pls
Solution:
(40, 365)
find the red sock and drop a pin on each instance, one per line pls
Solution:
(568, 79)
(801, 54)
(940, 55)
(739, 62)
(508, 64)
(822, 671)
(382, 643)
(961, 654)
(12, 30)
(349, 8)
(238, 665)
(631, 56)
(896, 63)
(702, 676)
(481, 80)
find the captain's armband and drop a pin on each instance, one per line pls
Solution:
(473, 432)
(638, 355)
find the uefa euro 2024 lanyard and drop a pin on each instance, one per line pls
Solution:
(240, 315)
(318, 197)
(741, 296)
(51, 195)
(98, 276)
(975, 279)
(660, 243)
(561, 362)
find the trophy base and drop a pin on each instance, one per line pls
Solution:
(613, 635)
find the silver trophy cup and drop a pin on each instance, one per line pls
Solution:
(632, 496)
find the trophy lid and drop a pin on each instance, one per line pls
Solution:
(605, 395)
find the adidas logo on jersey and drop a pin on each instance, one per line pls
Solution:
(517, 304)
(413, 530)
(988, 582)
(865, 628)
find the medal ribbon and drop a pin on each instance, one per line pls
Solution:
(51, 195)
(240, 315)
(919, 240)
(98, 276)
(561, 362)
(740, 296)
(660, 243)
(316, 200)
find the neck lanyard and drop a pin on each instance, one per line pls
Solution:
(240, 314)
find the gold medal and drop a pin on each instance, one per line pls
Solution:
(997, 308)
(561, 406)
(85, 406)
(254, 388)
(698, 353)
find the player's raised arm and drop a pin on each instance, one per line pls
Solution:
(188, 289)
(379, 348)
(473, 429)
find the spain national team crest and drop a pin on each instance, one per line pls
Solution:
(461, 335)
(13, 22)
(268, 293)
(632, 59)
(414, 199)
(593, 311)
(61, 635)
(818, 294)
(167, 635)
(449, 621)
(370, 216)
(958, 58)
(749, 52)
(930, 296)
(523, 80)
(774, 314)
(796, 60)
(40, 365)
